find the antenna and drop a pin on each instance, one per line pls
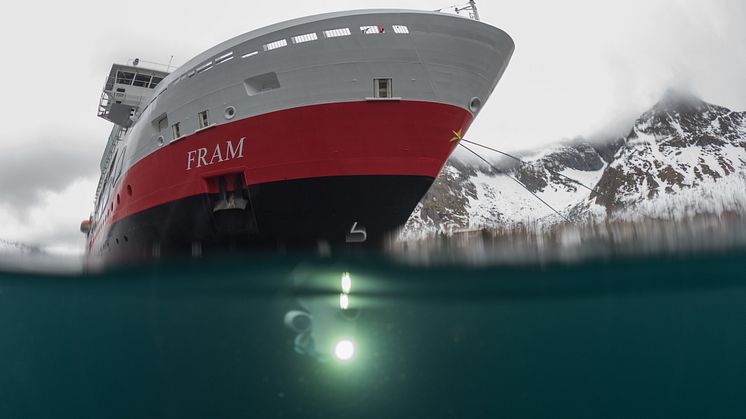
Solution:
(470, 7)
(475, 12)
(160, 66)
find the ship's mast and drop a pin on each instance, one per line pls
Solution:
(470, 7)
(473, 6)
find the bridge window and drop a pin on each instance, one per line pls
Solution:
(155, 81)
(125, 77)
(382, 88)
(204, 122)
(142, 80)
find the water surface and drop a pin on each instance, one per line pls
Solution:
(623, 337)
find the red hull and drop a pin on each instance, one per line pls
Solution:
(344, 139)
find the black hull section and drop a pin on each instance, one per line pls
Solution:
(294, 213)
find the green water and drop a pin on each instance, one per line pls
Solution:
(639, 337)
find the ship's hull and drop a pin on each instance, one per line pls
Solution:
(302, 213)
(322, 173)
(284, 136)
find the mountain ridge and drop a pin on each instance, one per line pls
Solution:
(680, 158)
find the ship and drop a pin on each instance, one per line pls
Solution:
(326, 129)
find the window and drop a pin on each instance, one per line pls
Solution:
(118, 171)
(204, 67)
(401, 29)
(125, 77)
(155, 81)
(142, 80)
(305, 38)
(371, 29)
(223, 58)
(333, 33)
(274, 45)
(204, 122)
(250, 54)
(176, 130)
(382, 88)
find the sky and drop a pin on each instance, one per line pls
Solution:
(581, 68)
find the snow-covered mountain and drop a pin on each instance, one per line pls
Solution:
(681, 158)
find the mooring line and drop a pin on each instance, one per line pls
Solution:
(523, 162)
(516, 180)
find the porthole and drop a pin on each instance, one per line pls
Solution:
(475, 104)
(161, 141)
(129, 190)
(118, 200)
(230, 112)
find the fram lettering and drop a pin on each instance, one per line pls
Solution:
(223, 152)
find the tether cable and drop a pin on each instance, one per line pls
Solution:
(523, 162)
(514, 179)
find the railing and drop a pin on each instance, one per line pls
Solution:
(117, 134)
(226, 56)
(103, 106)
(134, 62)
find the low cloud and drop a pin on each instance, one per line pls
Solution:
(53, 221)
(31, 169)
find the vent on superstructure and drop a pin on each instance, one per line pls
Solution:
(204, 67)
(334, 33)
(276, 44)
(224, 58)
(305, 38)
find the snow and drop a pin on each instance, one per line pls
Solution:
(663, 178)
(709, 197)
(501, 198)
